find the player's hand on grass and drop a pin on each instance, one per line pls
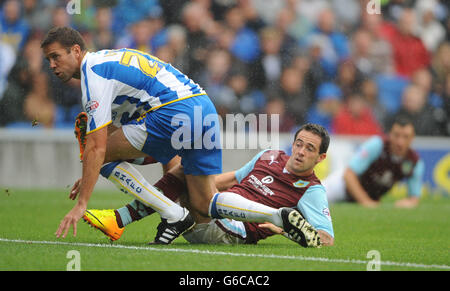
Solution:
(369, 203)
(410, 202)
(272, 227)
(75, 189)
(71, 219)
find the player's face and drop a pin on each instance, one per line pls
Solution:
(64, 63)
(401, 138)
(305, 153)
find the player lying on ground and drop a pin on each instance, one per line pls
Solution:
(272, 178)
(377, 166)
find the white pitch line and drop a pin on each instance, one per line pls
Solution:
(206, 252)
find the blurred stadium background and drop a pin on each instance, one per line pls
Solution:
(325, 61)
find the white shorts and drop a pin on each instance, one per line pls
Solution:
(136, 134)
(217, 231)
(335, 186)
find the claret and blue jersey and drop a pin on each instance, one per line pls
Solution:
(265, 179)
(121, 85)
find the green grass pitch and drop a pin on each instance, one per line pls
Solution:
(406, 239)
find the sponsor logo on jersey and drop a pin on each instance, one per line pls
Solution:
(260, 184)
(267, 179)
(91, 107)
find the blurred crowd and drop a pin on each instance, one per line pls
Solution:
(324, 61)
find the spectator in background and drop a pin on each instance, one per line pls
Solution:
(409, 51)
(297, 25)
(327, 105)
(416, 108)
(139, 37)
(60, 17)
(286, 120)
(37, 14)
(38, 104)
(380, 51)
(249, 100)
(366, 54)
(355, 117)
(334, 44)
(348, 78)
(424, 79)
(8, 58)
(440, 67)
(103, 37)
(429, 29)
(26, 98)
(245, 45)
(289, 45)
(14, 29)
(266, 71)
(127, 12)
(213, 79)
(446, 100)
(369, 91)
(293, 94)
(176, 40)
(194, 17)
(18, 86)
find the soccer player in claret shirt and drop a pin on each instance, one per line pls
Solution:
(377, 166)
(272, 178)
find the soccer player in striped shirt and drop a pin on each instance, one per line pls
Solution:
(131, 99)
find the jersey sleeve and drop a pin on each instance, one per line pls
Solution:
(366, 154)
(247, 168)
(97, 95)
(415, 181)
(314, 207)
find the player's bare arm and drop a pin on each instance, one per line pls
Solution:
(94, 156)
(356, 190)
(410, 202)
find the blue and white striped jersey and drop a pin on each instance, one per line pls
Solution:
(121, 85)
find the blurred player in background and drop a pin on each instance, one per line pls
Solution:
(377, 166)
(271, 178)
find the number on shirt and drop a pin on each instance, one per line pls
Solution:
(148, 67)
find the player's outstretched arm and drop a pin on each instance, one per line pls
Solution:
(356, 190)
(94, 156)
(410, 202)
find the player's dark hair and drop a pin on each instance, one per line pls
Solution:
(402, 121)
(66, 36)
(319, 131)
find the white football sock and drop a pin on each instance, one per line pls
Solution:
(130, 181)
(234, 206)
